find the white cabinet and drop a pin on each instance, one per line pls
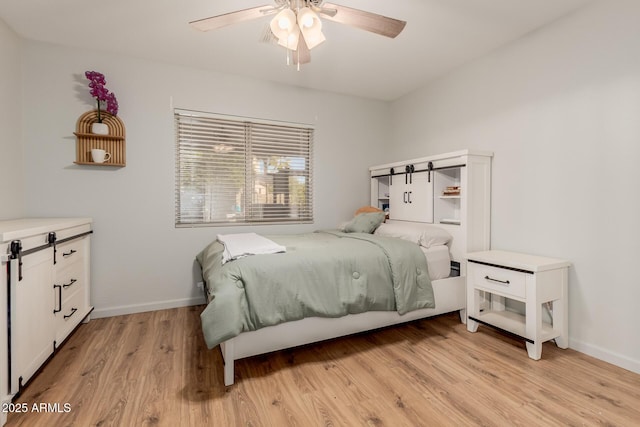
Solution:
(451, 190)
(46, 265)
(536, 281)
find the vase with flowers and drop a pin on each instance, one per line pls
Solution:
(105, 100)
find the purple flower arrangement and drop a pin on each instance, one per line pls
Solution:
(101, 93)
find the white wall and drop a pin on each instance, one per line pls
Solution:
(560, 109)
(139, 259)
(11, 199)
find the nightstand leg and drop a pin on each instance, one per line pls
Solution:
(561, 323)
(473, 308)
(534, 350)
(472, 325)
(533, 327)
(463, 315)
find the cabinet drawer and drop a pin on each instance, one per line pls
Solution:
(69, 252)
(499, 280)
(68, 280)
(72, 296)
(73, 310)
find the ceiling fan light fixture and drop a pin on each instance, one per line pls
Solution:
(283, 23)
(290, 39)
(307, 18)
(313, 36)
(311, 27)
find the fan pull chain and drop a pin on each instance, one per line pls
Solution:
(299, 41)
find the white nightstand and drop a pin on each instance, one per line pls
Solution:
(530, 279)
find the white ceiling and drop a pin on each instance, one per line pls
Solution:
(440, 35)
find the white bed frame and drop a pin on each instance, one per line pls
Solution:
(449, 295)
(473, 234)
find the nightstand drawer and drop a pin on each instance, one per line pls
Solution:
(499, 280)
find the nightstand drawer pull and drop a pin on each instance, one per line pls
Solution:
(504, 282)
(71, 252)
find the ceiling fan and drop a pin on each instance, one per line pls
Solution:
(297, 25)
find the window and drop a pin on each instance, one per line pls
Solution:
(231, 170)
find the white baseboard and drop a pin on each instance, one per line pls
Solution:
(141, 308)
(606, 355)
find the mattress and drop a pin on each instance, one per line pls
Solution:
(322, 274)
(438, 261)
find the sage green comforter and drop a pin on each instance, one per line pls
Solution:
(322, 274)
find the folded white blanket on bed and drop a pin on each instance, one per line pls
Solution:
(244, 244)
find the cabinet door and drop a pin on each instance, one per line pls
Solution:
(411, 199)
(398, 205)
(420, 198)
(32, 301)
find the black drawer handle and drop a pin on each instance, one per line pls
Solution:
(504, 282)
(71, 252)
(69, 284)
(73, 311)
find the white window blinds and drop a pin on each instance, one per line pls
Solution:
(238, 171)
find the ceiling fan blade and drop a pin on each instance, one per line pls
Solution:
(324, 10)
(219, 21)
(368, 21)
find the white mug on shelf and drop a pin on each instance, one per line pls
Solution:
(99, 156)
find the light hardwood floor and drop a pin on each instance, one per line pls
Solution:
(154, 369)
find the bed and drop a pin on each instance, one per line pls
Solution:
(327, 284)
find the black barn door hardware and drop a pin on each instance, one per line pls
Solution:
(408, 174)
(16, 253)
(52, 240)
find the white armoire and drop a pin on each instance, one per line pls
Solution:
(44, 293)
(452, 191)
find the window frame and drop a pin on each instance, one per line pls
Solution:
(253, 212)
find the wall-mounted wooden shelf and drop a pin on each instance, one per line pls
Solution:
(114, 143)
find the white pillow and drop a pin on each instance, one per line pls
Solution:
(420, 234)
